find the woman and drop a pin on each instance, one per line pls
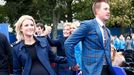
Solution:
(31, 54)
(62, 69)
(78, 48)
(117, 57)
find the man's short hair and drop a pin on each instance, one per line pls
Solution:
(40, 25)
(97, 5)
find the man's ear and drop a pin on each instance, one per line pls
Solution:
(97, 11)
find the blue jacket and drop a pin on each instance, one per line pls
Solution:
(122, 44)
(78, 54)
(93, 49)
(116, 43)
(132, 44)
(22, 61)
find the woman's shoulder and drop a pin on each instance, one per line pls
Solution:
(16, 43)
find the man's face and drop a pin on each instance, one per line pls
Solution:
(39, 30)
(103, 12)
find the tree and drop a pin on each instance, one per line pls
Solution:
(82, 9)
(52, 11)
(121, 13)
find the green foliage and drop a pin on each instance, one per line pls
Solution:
(83, 9)
(2, 14)
(50, 11)
(121, 13)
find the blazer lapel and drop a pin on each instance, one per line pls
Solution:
(97, 28)
(43, 59)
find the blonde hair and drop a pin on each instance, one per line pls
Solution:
(75, 25)
(117, 57)
(18, 25)
(67, 24)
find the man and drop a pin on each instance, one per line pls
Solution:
(95, 37)
(5, 56)
(40, 28)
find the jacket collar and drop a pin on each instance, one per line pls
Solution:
(100, 22)
(42, 41)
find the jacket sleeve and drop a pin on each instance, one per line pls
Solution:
(78, 35)
(17, 67)
(53, 42)
(54, 58)
(8, 51)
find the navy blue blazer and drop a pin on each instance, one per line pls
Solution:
(93, 49)
(22, 61)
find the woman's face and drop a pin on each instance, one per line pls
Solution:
(66, 31)
(28, 28)
(72, 29)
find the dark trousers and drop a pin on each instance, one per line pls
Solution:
(120, 50)
(4, 73)
(105, 70)
(63, 69)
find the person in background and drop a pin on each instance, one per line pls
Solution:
(95, 38)
(78, 48)
(122, 44)
(118, 58)
(128, 43)
(5, 56)
(62, 69)
(132, 44)
(48, 31)
(40, 28)
(12, 35)
(31, 54)
(116, 42)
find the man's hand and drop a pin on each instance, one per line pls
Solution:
(80, 73)
(75, 68)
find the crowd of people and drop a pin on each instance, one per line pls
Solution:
(86, 48)
(122, 43)
(122, 51)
